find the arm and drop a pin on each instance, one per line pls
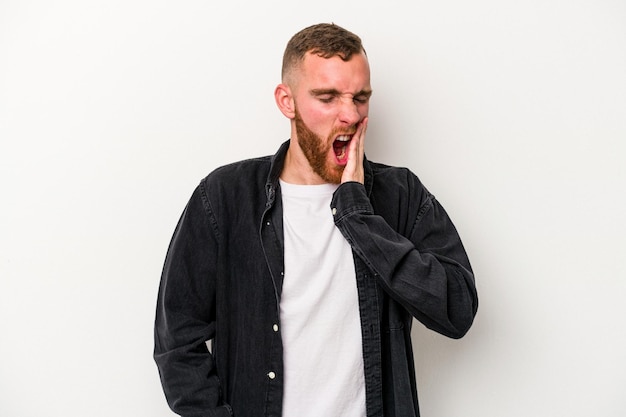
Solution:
(427, 271)
(185, 316)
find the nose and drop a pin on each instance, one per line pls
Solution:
(348, 113)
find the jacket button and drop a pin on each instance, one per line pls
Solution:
(275, 327)
(271, 375)
(334, 211)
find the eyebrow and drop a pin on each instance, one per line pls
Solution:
(335, 92)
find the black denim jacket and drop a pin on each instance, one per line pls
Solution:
(222, 282)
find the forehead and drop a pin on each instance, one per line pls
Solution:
(345, 76)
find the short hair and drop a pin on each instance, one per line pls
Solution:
(325, 40)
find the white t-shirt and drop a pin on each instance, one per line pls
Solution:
(319, 310)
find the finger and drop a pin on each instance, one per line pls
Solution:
(356, 147)
(354, 167)
(362, 137)
(356, 144)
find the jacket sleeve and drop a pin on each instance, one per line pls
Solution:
(185, 316)
(425, 268)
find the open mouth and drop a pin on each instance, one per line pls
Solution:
(340, 146)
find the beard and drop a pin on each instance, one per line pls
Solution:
(317, 149)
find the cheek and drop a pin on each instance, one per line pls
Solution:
(363, 110)
(319, 122)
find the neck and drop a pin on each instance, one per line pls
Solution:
(296, 169)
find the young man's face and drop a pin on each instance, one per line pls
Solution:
(331, 97)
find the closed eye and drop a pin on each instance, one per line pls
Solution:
(329, 95)
(363, 96)
(325, 95)
(326, 99)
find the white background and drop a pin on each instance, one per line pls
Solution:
(511, 112)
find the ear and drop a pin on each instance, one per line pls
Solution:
(284, 100)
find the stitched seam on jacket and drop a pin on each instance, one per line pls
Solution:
(206, 203)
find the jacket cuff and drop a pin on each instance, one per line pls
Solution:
(348, 199)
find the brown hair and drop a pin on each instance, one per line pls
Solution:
(324, 39)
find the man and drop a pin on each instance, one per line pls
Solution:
(305, 269)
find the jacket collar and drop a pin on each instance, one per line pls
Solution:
(276, 166)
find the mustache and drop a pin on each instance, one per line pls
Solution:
(343, 131)
(339, 131)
